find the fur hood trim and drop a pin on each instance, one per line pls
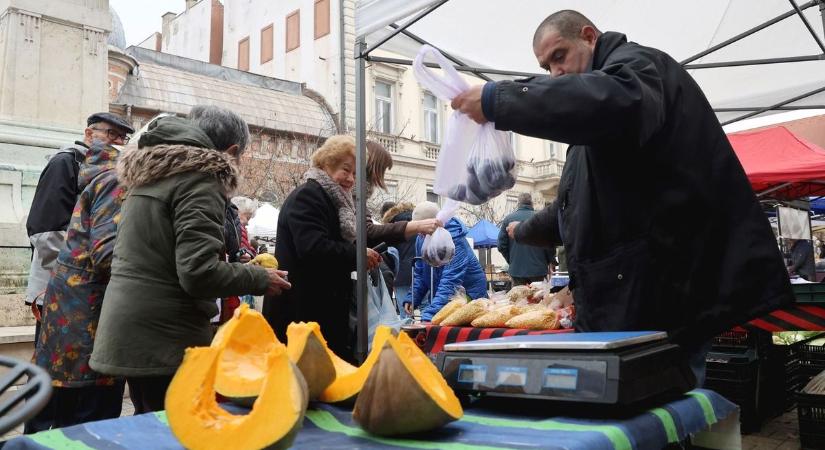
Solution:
(396, 210)
(139, 167)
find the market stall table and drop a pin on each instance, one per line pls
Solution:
(433, 338)
(331, 427)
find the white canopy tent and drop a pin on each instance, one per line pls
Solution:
(751, 58)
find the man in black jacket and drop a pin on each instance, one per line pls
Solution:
(56, 195)
(49, 215)
(661, 228)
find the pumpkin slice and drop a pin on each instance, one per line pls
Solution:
(200, 424)
(420, 398)
(308, 349)
(348, 378)
(244, 340)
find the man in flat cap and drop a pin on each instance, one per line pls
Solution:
(54, 201)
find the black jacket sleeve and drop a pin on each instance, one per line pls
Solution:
(504, 241)
(55, 196)
(314, 240)
(540, 230)
(623, 101)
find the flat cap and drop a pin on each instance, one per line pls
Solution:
(110, 118)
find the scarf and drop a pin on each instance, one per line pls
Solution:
(342, 201)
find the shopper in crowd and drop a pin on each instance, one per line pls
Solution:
(169, 265)
(526, 262)
(402, 212)
(802, 260)
(316, 245)
(463, 270)
(71, 306)
(650, 175)
(51, 209)
(246, 208)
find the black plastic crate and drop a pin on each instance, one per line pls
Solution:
(811, 415)
(812, 353)
(740, 341)
(731, 367)
(809, 292)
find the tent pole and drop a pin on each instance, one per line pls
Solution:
(755, 62)
(407, 62)
(395, 32)
(808, 25)
(768, 108)
(452, 58)
(361, 205)
(778, 108)
(747, 33)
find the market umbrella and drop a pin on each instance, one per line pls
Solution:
(484, 234)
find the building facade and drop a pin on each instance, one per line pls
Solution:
(311, 42)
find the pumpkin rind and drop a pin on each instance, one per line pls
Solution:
(308, 349)
(200, 424)
(421, 399)
(348, 378)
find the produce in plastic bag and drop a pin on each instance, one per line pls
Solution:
(456, 301)
(438, 248)
(484, 152)
(466, 314)
(539, 319)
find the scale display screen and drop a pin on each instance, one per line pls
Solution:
(558, 378)
(511, 376)
(472, 373)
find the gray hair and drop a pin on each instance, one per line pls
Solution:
(525, 198)
(567, 22)
(245, 205)
(223, 126)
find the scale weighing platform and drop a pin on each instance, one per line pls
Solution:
(603, 368)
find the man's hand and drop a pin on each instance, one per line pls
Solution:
(469, 102)
(277, 282)
(244, 258)
(408, 308)
(373, 259)
(511, 229)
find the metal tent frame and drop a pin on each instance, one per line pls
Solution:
(362, 54)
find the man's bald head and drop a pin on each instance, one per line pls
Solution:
(567, 22)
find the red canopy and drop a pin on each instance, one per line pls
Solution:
(780, 164)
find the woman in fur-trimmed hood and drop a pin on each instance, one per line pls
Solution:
(168, 265)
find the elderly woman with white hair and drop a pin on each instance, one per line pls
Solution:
(463, 270)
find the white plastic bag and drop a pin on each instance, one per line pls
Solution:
(438, 248)
(483, 153)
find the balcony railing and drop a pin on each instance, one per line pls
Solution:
(549, 168)
(388, 141)
(431, 151)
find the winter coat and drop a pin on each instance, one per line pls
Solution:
(802, 260)
(661, 228)
(75, 292)
(525, 261)
(169, 265)
(49, 215)
(319, 261)
(464, 270)
(402, 213)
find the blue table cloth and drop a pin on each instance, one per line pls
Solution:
(331, 427)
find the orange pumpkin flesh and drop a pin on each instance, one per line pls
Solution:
(308, 349)
(200, 424)
(420, 398)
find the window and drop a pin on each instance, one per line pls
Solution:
(392, 189)
(267, 42)
(432, 196)
(383, 107)
(293, 30)
(430, 118)
(554, 150)
(243, 54)
(321, 18)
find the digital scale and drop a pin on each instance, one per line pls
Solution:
(604, 368)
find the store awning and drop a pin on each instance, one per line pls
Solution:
(780, 164)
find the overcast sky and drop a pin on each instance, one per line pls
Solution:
(142, 18)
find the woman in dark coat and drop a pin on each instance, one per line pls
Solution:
(316, 245)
